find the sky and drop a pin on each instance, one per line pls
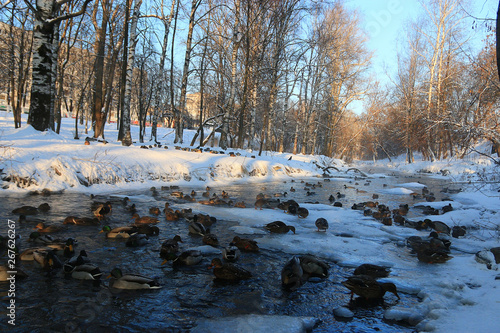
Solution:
(463, 297)
(384, 22)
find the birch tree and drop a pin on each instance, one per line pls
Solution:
(47, 19)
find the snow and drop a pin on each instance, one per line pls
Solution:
(458, 296)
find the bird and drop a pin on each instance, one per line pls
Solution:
(131, 281)
(85, 271)
(145, 219)
(188, 258)
(292, 274)
(154, 211)
(228, 272)
(312, 266)
(279, 227)
(245, 244)
(137, 240)
(302, 212)
(6, 273)
(230, 253)
(322, 224)
(81, 220)
(210, 239)
(24, 219)
(196, 228)
(48, 260)
(101, 210)
(30, 210)
(261, 203)
(438, 226)
(369, 288)
(170, 247)
(27, 254)
(41, 227)
(120, 232)
(375, 271)
(146, 229)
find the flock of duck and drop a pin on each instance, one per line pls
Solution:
(54, 255)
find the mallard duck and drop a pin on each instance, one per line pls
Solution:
(48, 260)
(131, 281)
(6, 273)
(46, 240)
(30, 210)
(313, 267)
(230, 253)
(170, 247)
(205, 219)
(261, 203)
(246, 245)
(101, 210)
(438, 226)
(120, 232)
(27, 255)
(171, 215)
(136, 240)
(81, 220)
(375, 271)
(196, 228)
(428, 254)
(81, 259)
(321, 223)
(145, 219)
(85, 271)
(292, 274)
(302, 212)
(188, 258)
(146, 229)
(41, 227)
(279, 227)
(228, 271)
(210, 239)
(154, 211)
(369, 288)
(69, 250)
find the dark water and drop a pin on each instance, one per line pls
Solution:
(46, 304)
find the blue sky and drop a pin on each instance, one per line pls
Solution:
(384, 20)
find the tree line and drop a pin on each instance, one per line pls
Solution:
(269, 75)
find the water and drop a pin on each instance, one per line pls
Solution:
(189, 294)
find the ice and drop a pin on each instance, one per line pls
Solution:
(255, 324)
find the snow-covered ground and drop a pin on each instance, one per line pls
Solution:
(461, 295)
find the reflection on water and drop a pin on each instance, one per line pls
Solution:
(46, 303)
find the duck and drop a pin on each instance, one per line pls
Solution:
(210, 239)
(47, 240)
(6, 273)
(279, 227)
(292, 274)
(313, 267)
(331, 198)
(27, 255)
(230, 253)
(120, 232)
(41, 227)
(30, 210)
(145, 219)
(188, 258)
(170, 247)
(261, 203)
(81, 259)
(375, 271)
(83, 271)
(146, 229)
(427, 254)
(69, 250)
(81, 220)
(101, 210)
(369, 288)
(302, 212)
(171, 215)
(438, 226)
(48, 260)
(245, 244)
(322, 224)
(137, 240)
(228, 272)
(131, 281)
(154, 211)
(196, 228)
(205, 219)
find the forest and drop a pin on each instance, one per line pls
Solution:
(264, 75)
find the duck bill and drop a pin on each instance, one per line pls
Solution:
(164, 262)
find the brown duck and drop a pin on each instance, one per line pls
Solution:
(279, 227)
(229, 272)
(145, 219)
(368, 288)
(246, 245)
